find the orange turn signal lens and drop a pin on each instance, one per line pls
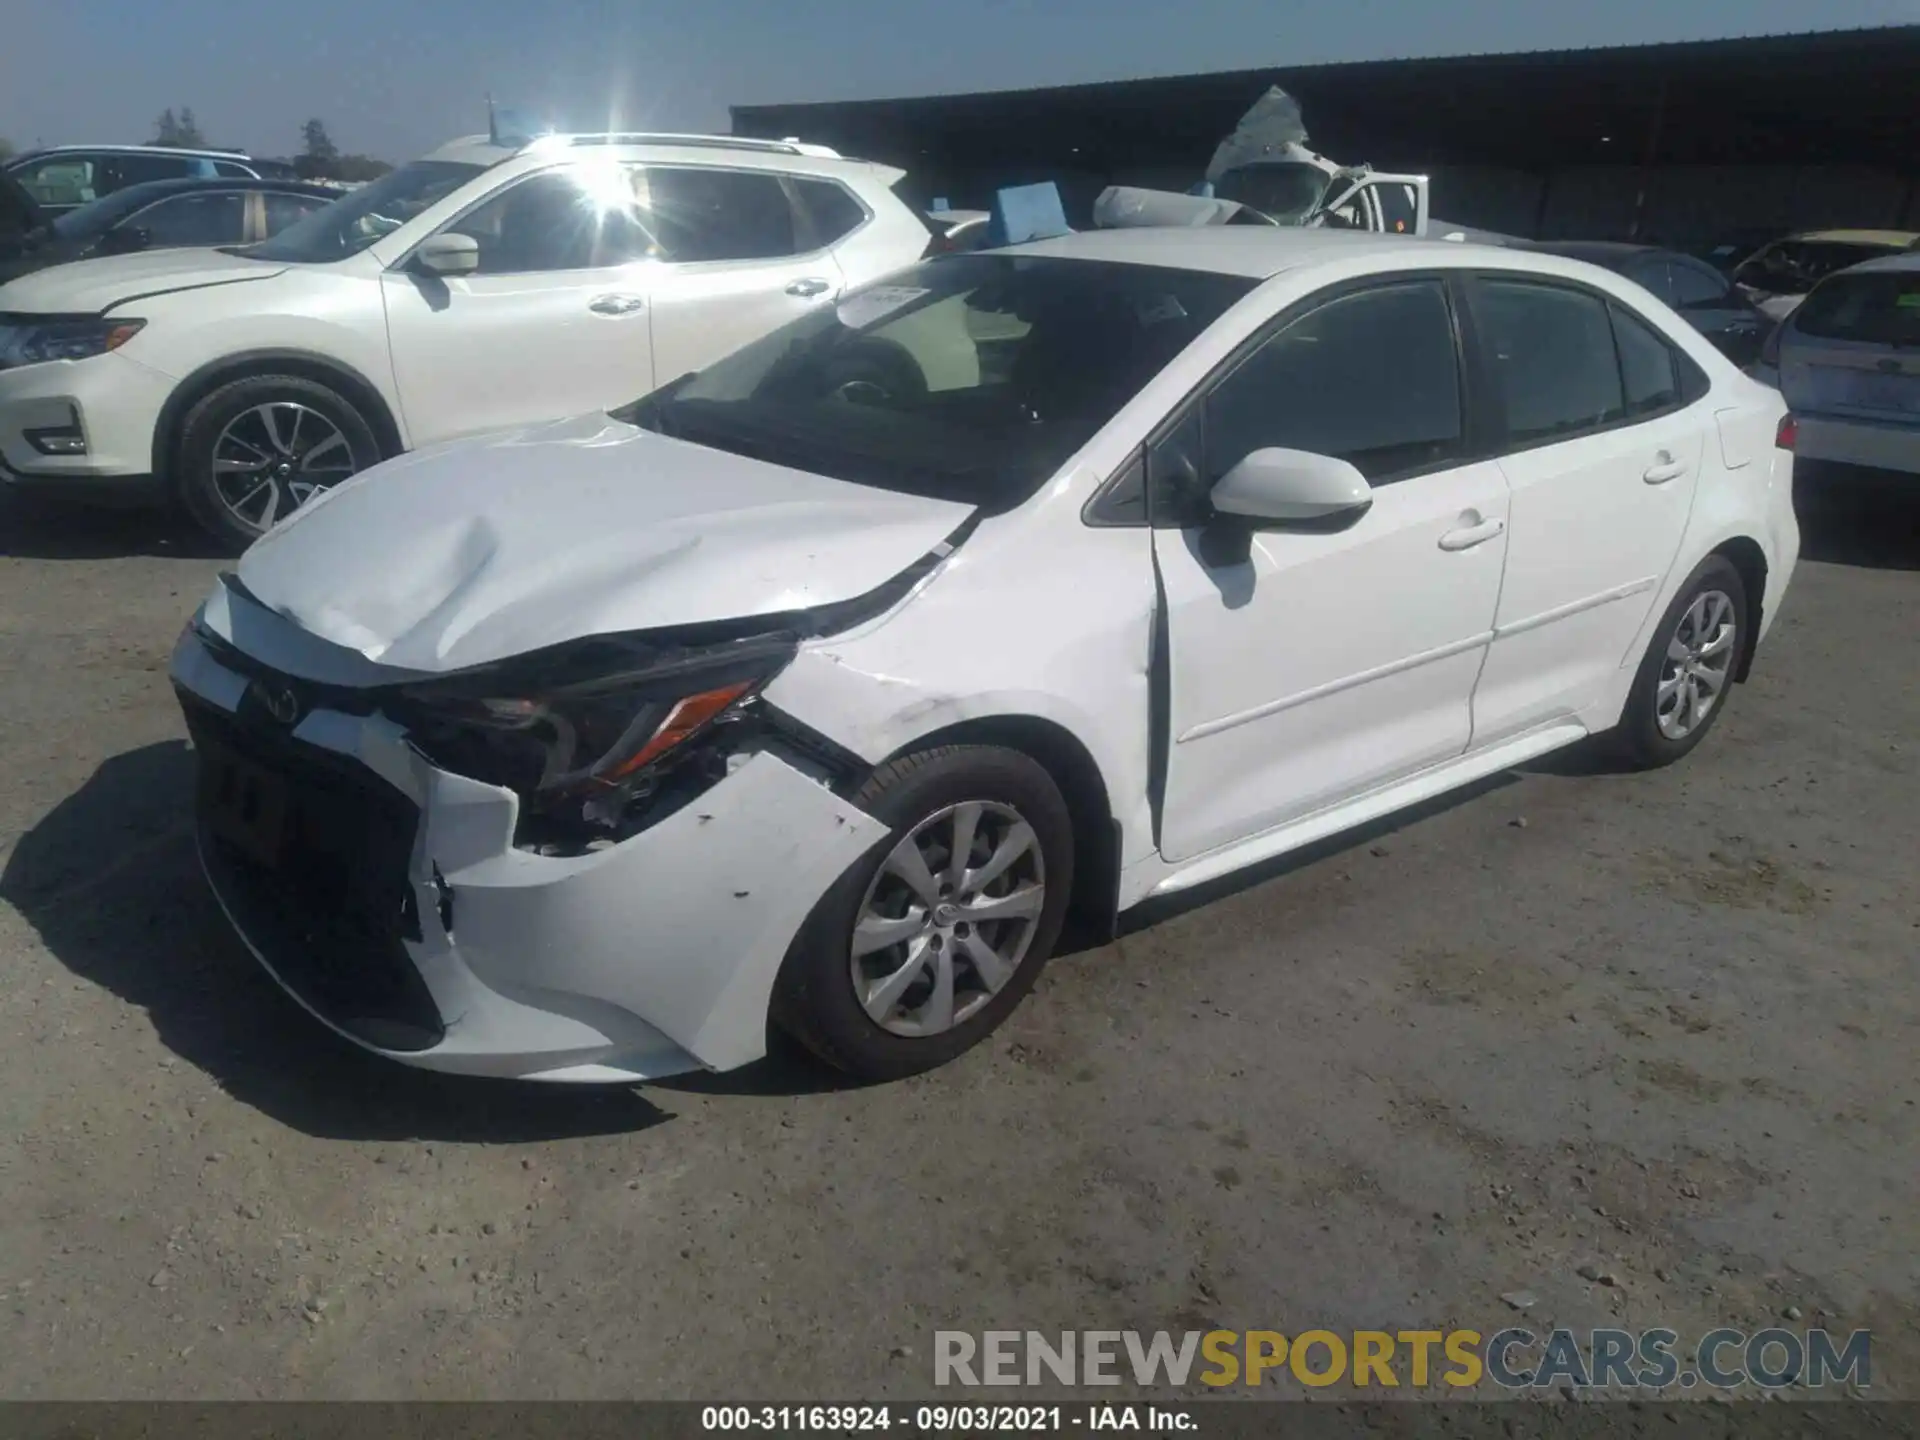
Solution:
(687, 717)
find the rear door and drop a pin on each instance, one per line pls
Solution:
(741, 258)
(552, 323)
(1854, 348)
(1602, 441)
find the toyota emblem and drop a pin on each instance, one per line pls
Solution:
(281, 702)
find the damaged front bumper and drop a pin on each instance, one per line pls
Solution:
(394, 906)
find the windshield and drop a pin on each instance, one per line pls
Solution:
(1793, 267)
(360, 217)
(96, 217)
(1283, 190)
(969, 377)
(1878, 308)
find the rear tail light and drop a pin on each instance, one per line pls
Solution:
(1786, 433)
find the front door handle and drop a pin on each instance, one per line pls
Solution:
(616, 304)
(1468, 536)
(806, 289)
(1663, 469)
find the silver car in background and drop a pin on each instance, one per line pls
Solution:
(1849, 366)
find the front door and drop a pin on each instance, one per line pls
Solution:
(1308, 666)
(1603, 453)
(554, 321)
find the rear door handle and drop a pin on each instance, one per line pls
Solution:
(1469, 536)
(616, 304)
(1663, 469)
(806, 289)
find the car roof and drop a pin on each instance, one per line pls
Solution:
(1256, 251)
(188, 184)
(733, 150)
(1910, 260)
(239, 156)
(1859, 237)
(1599, 252)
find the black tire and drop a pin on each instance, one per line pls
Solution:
(1639, 739)
(814, 998)
(193, 473)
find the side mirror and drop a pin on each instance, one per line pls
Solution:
(448, 254)
(1291, 486)
(128, 239)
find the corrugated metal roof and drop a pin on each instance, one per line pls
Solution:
(1871, 34)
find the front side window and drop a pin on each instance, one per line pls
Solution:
(706, 215)
(970, 378)
(577, 218)
(1551, 354)
(360, 217)
(1371, 378)
(193, 220)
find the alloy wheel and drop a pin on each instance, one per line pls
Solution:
(1697, 665)
(271, 459)
(947, 919)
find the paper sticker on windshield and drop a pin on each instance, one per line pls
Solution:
(857, 312)
(1159, 310)
(1908, 300)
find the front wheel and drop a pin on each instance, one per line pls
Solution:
(1688, 672)
(255, 450)
(929, 941)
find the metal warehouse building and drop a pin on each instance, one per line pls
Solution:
(1685, 143)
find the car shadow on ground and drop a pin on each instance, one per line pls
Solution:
(1869, 520)
(110, 882)
(36, 527)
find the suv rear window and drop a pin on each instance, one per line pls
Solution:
(1878, 308)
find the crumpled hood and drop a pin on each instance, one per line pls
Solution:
(487, 548)
(87, 287)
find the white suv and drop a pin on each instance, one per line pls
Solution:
(487, 285)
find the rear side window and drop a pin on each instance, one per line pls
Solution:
(1550, 352)
(721, 214)
(1647, 371)
(827, 213)
(1875, 308)
(283, 210)
(116, 172)
(231, 170)
(1371, 378)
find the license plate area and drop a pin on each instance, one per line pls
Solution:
(244, 804)
(1873, 390)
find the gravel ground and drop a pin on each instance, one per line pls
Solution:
(1662, 1027)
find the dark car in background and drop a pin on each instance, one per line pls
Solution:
(65, 177)
(1705, 297)
(163, 215)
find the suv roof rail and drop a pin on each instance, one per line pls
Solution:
(790, 146)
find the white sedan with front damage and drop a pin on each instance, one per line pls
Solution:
(815, 689)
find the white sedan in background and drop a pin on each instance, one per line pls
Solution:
(816, 688)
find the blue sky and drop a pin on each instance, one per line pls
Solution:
(393, 78)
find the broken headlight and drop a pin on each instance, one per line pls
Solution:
(587, 733)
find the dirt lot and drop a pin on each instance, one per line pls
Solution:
(1662, 1027)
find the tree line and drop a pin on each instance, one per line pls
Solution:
(319, 158)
